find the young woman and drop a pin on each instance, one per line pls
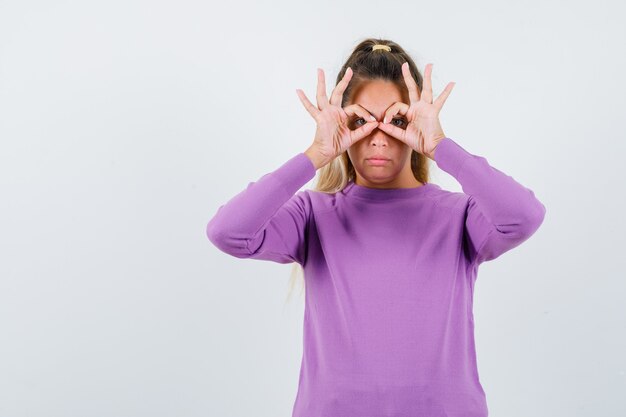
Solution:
(389, 259)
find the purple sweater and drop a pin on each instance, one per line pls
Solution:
(389, 274)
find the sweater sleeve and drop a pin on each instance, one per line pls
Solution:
(268, 219)
(500, 214)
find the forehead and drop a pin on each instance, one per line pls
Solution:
(377, 95)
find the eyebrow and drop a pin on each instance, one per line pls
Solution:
(397, 115)
(365, 109)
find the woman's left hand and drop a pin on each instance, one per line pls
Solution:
(423, 131)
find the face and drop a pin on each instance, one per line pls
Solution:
(376, 97)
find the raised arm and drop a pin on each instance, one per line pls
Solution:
(267, 220)
(501, 213)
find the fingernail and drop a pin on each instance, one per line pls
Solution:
(385, 120)
(372, 118)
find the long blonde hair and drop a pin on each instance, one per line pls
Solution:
(367, 65)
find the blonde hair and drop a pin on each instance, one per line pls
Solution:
(367, 64)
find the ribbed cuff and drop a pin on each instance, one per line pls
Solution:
(450, 156)
(296, 172)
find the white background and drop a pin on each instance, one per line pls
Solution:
(124, 125)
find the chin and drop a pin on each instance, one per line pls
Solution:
(379, 175)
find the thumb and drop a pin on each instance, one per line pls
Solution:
(393, 131)
(358, 134)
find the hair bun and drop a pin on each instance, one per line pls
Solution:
(381, 46)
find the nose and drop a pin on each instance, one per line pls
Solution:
(379, 138)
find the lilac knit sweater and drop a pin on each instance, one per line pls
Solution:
(389, 273)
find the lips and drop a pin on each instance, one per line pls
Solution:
(378, 158)
(377, 162)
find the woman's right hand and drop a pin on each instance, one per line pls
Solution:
(333, 135)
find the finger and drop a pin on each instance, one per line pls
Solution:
(444, 95)
(322, 99)
(337, 94)
(358, 134)
(313, 111)
(411, 85)
(393, 131)
(395, 108)
(427, 91)
(357, 109)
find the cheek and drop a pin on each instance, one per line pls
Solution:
(350, 154)
(353, 152)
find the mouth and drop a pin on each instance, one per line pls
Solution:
(377, 161)
(377, 158)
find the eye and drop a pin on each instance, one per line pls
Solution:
(401, 120)
(356, 123)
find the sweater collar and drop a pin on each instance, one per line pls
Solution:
(382, 194)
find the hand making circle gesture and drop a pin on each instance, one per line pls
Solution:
(333, 135)
(423, 131)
